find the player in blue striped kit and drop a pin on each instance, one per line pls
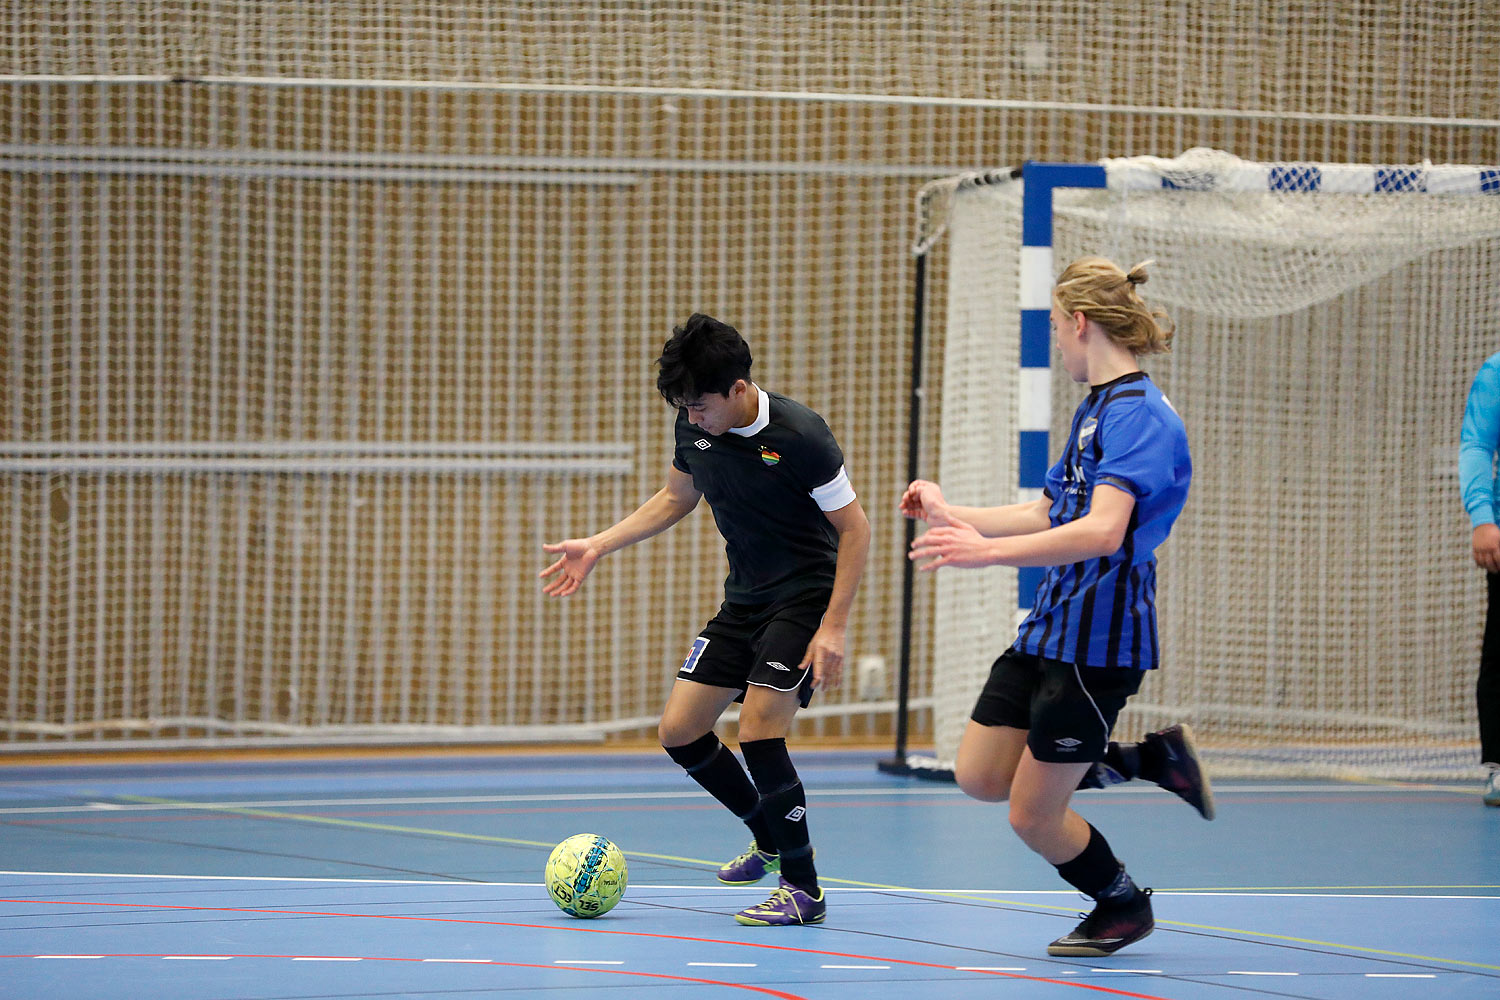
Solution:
(1041, 727)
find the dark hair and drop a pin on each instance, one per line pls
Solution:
(704, 355)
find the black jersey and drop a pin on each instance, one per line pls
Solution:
(768, 485)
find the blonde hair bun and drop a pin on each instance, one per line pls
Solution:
(1106, 294)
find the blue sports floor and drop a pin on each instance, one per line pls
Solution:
(420, 876)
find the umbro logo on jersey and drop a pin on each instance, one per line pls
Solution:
(703, 444)
(797, 813)
(1067, 744)
(778, 666)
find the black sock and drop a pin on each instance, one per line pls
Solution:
(1124, 759)
(783, 803)
(1120, 763)
(1098, 874)
(712, 765)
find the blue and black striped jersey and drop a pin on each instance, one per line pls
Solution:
(1102, 612)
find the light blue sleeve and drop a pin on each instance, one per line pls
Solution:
(1478, 442)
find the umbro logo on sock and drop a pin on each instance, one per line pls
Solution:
(796, 814)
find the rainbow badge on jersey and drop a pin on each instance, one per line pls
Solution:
(768, 456)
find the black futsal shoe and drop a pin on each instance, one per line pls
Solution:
(1169, 758)
(1108, 929)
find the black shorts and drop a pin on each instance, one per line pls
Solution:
(1067, 710)
(760, 644)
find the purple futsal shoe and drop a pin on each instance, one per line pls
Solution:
(750, 867)
(787, 906)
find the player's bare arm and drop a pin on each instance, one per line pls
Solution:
(1098, 533)
(577, 556)
(923, 501)
(825, 651)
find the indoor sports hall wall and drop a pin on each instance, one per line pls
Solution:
(320, 318)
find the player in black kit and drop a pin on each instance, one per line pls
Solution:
(797, 539)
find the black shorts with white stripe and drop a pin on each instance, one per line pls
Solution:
(1067, 710)
(760, 644)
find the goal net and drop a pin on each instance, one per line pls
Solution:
(1319, 610)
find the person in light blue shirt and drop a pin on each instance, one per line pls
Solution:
(1478, 443)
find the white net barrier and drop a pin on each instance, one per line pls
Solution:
(979, 370)
(299, 301)
(281, 446)
(1319, 610)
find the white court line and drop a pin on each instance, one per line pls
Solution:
(991, 968)
(67, 956)
(945, 791)
(1399, 975)
(585, 961)
(722, 965)
(1240, 972)
(196, 958)
(939, 893)
(869, 968)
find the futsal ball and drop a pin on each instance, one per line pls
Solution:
(586, 875)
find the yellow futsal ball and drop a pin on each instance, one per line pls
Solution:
(586, 875)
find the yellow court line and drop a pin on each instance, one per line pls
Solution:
(491, 839)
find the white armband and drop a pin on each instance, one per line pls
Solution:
(836, 493)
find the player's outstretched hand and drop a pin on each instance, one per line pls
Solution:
(923, 501)
(825, 654)
(955, 544)
(578, 557)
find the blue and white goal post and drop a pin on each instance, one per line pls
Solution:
(1316, 610)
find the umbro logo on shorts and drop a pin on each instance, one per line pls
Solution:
(797, 813)
(778, 666)
(1068, 744)
(703, 444)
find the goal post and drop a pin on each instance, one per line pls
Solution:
(1319, 612)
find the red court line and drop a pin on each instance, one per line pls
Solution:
(581, 930)
(508, 965)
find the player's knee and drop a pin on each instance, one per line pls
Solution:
(1033, 827)
(760, 720)
(752, 729)
(674, 733)
(982, 784)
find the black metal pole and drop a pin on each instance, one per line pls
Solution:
(913, 444)
(899, 764)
